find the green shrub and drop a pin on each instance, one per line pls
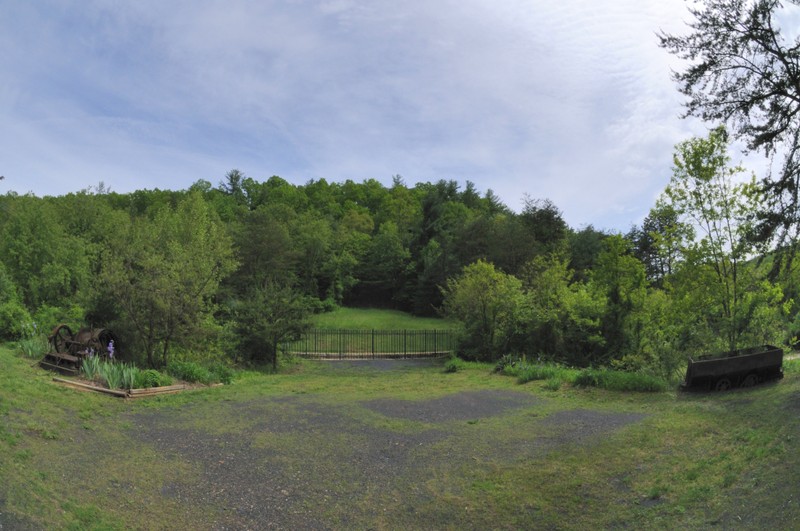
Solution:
(619, 380)
(111, 374)
(506, 362)
(14, 319)
(90, 366)
(221, 373)
(190, 371)
(152, 378)
(540, 371)
(453, 365)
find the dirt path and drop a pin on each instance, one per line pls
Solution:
(293, 462)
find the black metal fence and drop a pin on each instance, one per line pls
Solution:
(366, 344)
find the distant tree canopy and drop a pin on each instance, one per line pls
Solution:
(234, 270)
(171, 268)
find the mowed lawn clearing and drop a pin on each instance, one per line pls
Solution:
(375, 319)
(388, 446)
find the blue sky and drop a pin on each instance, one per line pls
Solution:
(569, 100)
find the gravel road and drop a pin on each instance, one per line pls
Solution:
(296, 463)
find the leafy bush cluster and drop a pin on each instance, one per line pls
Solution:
(116, 375)
(454, 365)
(612, 380)
(152, 378)
(32, 344)
(90, 367)
(13, 320)
(506, 362)
(190, 371)
(619, 380)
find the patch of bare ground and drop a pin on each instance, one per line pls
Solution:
(294, 463)
(467, 405)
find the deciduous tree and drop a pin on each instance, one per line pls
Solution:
(743, 71)
(489, 304)
(162, 274)
(707, 193)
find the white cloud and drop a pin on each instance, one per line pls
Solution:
(569, 100)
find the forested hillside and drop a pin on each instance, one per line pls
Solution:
(233, 268)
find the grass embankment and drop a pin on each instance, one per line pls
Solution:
(566, 460)
(374, 319)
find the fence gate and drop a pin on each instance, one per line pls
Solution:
(372, 344)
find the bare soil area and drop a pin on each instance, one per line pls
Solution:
(296, 463)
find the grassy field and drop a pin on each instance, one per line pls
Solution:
(297, 444)
(369, 319)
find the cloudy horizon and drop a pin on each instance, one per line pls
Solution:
(570, 101)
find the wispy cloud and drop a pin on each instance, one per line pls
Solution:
(569, 100)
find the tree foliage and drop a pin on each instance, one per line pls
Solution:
(269, 315)
(704, 191)
(489, 304)
(160, 277)
(742, 71)
(236, 269)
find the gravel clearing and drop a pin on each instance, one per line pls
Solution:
(468, 405)
(296, 463)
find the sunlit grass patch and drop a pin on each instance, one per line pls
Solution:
(375, 319)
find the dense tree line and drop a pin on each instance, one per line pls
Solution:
(233, 269)
(178, 269)
(688, 280)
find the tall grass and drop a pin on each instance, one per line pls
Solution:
(544, 371)
(111, 374)
(90, 367)
(116, 375)
(619, 380)
(128, 376)
(33, 344)
(603, 378)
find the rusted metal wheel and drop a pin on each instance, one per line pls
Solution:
(750, 380)
(723, 384)
(104, 337)
(60, 338)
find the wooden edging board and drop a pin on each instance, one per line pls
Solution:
(132, 393)
(152, 391)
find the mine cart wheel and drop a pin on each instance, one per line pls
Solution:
(750, 380)
(723, 384)
(105, 337)
(60, 338)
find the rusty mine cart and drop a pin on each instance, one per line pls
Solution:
(67, 350)
(737, 368)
